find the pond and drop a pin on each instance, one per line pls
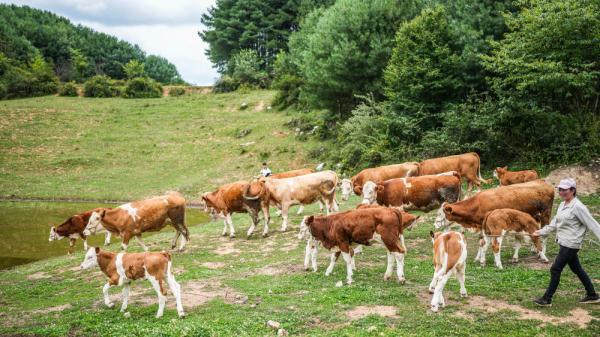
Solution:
(25, 227)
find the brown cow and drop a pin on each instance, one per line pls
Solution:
(149, 215)
(360, 226)
(123, 268)
(229, 199)
(534, 197)
(449, 256)
(467, 165)
(415, 193)
(505, 177)
(302, 190)
(73, 228)
(292, 173)
(505, 220)
(382, 173)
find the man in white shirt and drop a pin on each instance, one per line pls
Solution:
(265, 171)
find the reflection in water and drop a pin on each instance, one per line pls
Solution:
(25, 227)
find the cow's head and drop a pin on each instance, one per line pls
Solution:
(91, 258)
(346, 187)
(441, 220)
(499, 171)
(369, 192)
(434, 235)
(304, 233)
(54, 235)
(94, 224)
(409, 220)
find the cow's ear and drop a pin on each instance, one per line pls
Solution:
(102, 213)
(380, 188)
(448, 209)
(310, 219)
(97, 250)
(358, 190)
(505, 168)
(432, 234)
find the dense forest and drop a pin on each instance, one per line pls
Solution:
(393, 80)
(39, 48)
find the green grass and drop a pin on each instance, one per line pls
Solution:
(114, 148)
(130, 148)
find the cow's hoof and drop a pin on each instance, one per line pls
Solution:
(386, 277)
(232, 236)
(431, 290)
(181, 315)
(264, 235)
(110, 305)
(306, 269)
(224, 234)
(435, 308)
(515, 260)
(158, 316)
(463, 295)
(402, 281)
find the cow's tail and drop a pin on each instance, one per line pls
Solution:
(246, 196)
(398, 214)
(479, 169)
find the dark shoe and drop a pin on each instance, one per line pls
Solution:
(542, 302)
(590, 299)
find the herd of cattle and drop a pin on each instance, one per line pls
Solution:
(520, 205)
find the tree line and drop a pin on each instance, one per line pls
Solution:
(391, 80)
(38, 49)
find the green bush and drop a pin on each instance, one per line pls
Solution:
(68, 89)
(19, 80)
(245, 68)
(142, 87)
(225, 84)
(177, 91)
(100, 86)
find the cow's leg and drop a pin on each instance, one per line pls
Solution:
(332, 258)
(184, 233)
(438, 296)
(267, 219)
(144, 247)
(107, 300)
(486, 244)
(327, 206)
(402, 243)
(125, 242)
(285, 208)
(346, 254)
(460, 275)
(320, 205)
(481, 244)
(307, 252)
(254, 217)
(71, 245)
(336, 206)
(313, 256)
(496, 246)
(540, 247)
(125, 297)
(230, 222)
(162, 299)
(390, 266)
(434, 279)
(358, 249)
(400, 266)
(175, 238)
(107, 238)
(85, 244)
(176, 290)
(300, 210)
(224, 227)
(516, 247)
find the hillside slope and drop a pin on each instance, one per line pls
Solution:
(55, 147)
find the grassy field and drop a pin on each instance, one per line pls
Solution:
(118, 149)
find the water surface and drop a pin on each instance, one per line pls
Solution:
(25, 227)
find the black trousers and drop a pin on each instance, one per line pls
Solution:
(567, 256)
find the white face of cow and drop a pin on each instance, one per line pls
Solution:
(440, 219)
(369, 193)
(90, 260)
(303, 233)
(94, 224)
(53, 235)
(346, 189)
(495, 174)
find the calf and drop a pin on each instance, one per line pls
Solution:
(505, 177)
(449, 256)
(134, 218)
(505, 220)
(123, 268)
(73, 228)
(383, 173)
(360, 226)
(416, 193)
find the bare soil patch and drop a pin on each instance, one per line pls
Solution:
(366, 310)
(587, 177)
(38, 276)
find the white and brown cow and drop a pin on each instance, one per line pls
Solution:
(346, 189)
(501, 221)
(290, 174)
(382, 173)
(148, 215)
(534, 197)
(360, 226)
(414, 193)
(229, 199)
(300, 190)
(467, 165)
(73, 228)
(123, 268)
(506, 177)
(449, 257)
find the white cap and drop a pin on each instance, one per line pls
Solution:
(567, 183)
